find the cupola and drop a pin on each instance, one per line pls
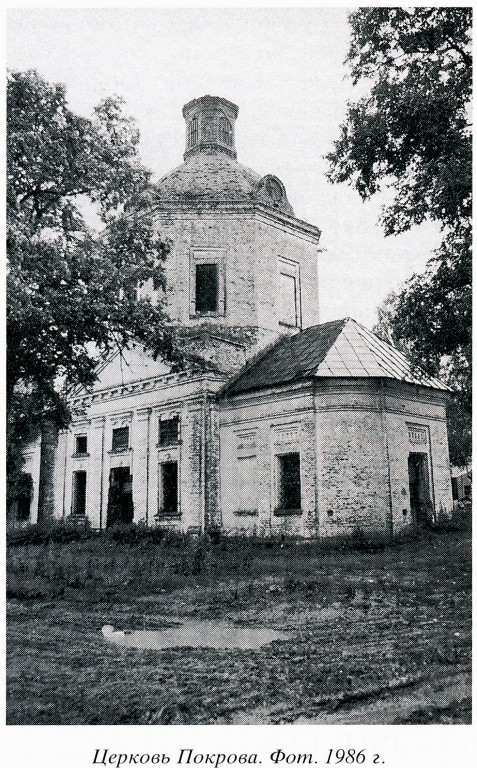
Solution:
(210, 125)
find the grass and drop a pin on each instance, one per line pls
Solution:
(379, 629)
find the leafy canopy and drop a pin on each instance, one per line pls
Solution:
(67, 286)
(411, 130)
(72, 294)
(411, 133)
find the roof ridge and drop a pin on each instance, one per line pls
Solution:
(251, 362)
(285, 355)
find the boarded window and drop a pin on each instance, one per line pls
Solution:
(225, 131)
(206, 287)
(79, 494)
(193, 132)
(169, 488)
(81, 444)
(288, 302)
(120, 439)
(289, 484)
(169, 431)
(247, 479)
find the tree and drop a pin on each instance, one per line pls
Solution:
(411, 133)
(72, 294)
(391, 328)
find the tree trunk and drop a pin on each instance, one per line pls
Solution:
(46, 492)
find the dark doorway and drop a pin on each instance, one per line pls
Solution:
(79, 493)
(419, 491)
(169, 476)
(120, 500)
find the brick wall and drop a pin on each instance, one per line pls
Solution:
(247, 244)
(353, 440)
(257, 430)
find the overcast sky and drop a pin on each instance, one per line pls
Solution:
(285, 70)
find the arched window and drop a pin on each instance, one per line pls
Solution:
(225, 131)
(193, 132)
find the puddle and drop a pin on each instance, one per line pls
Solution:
(195, 634)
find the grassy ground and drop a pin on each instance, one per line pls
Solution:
(376, 636)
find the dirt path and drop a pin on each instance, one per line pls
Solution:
(447, 695)
(392, 708)
(367, 638)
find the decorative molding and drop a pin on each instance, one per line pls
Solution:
(271, 215)
(418, 433)
(143, 414)
(246, 440)
(156, 384)
(286, 435)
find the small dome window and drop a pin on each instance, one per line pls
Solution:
(225, 131)
(193, 132)
(274, 190)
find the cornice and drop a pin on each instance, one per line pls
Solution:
(141, 386)
(195, 207)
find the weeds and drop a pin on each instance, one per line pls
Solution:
(364, 628)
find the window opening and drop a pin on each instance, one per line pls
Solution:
(81, 444)
(193, 131)
(206, 288)
(289, 484)
(120, 439)
(288, 302)
(207, 128)
(79, 494)
(169, 431)
(419, 489)
(247, 478)
(169, 487)
(225, 131)
(120, 509)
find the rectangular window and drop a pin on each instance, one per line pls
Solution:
(193, 131)
(120, 439)
(79, 494)
(206, 287)
(81, 444)
(289, 293)
(288, 303)
(169, 431)
(246, 481)
(289, 484)
(169, 488)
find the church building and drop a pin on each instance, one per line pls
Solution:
(293, 427)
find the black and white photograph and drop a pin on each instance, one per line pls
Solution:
(239, 482)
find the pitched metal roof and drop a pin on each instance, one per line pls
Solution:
(339, 349)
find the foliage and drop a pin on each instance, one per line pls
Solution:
(412, 129)
(411, 133)
(395, 316)
(72, 294)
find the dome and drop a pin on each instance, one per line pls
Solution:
(210, 171)
(209, 176)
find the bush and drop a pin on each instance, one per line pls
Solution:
(59, 531)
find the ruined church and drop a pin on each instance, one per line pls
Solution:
(296, 427)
